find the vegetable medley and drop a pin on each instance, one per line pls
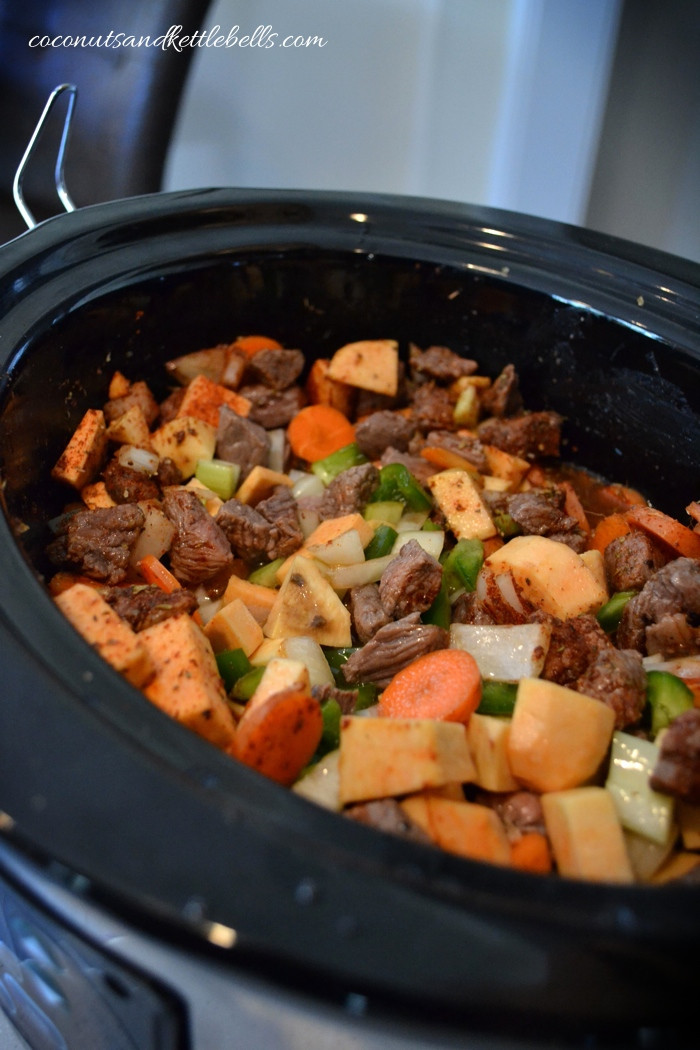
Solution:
(375, 582)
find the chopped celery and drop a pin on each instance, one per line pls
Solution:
(346, 457)
(381, 543)
(497, 698)
(232, 665)
(668, 696)
(461, 565)
(389, 511)
(266, 575)
(639, 808)
(440, 611)
(244, 688)
(608, 615)
(218, 475)
(397, 483)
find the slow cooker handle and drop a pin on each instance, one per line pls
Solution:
(59, 177)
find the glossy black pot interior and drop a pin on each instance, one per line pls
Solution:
(156, 820)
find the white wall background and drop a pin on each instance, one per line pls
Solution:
(497, 102)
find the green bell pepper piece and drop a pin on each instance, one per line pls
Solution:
(668, 696)
(381, 543)
(609, 615)
(232, 665)
(461, 565)
(397, 483)
(497, 698)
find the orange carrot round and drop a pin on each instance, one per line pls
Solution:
(444, 684)
(279, 736)
(531, 852)
(607, 530)
(319, 430)
(679, 540)
(251, 344)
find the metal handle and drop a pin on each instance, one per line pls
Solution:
(59, 177)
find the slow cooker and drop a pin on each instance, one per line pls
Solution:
(154, 893)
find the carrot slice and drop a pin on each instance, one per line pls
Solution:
(251, 344)
(607, 530)
(574, 507)
(617, 497)
(278, 736)
(531, 852)
(678, 539)
(444, 684)
(319, 430)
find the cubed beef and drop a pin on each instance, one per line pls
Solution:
(468, 608)
(349, 491)
(168, 473)
(239, 440)
(98, 542)
(531, 435)
(386, 815)
(439, 363)
(366, 611)
(382, 430)
(432, 408)
(677, 770)
(251, 536)
(277, 369)
(393, 648)
(464, 445)
(281, 511)
(617, 678)
(273, 408)
(630, 562)
(126, 485)
(199, 549)
(664, 617)
(143, 605)
(573, 647)
(503, 397)
(411, 582)
(345, 698)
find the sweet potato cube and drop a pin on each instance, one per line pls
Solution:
(131, 428)
(468, 829)
(259, 600)
(83, 455)
(185, 439)
(203, 399)
(234, 627)
(260, 483)
(187, 684)
(586, 835)
(460, 501)
(322, 390)
(95, 495)
(381, 757)
(371, 364)
(558, 738)
(550, 575)
(106, 632)
(488, 743)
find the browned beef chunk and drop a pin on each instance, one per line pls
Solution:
(126, 485)
(419, 467)
(273, 408)
(366, 610)
(530, 436)
(277, 369)
(467, 608)
(98, 542)
(520, 811)
(664, 617)
(168, 473)
(393, 648)
(573, 647)
(503, 397)
(350, 491)
(411, 582)
(439, 363)
(540, 512)
(617, 677)
(433, 408)
(238, 440)
(382, 430)
(386, 815)
(470, 448)
(346, 698)
(677, 770)
(630, 561)
(199, 549)
(169, 407)
(145, 604)
(281, 511)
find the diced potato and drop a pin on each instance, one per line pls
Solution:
(131, 428)
(306, 604)
(506, 466)
(465, 828)
(382, 757)
(322, 390)
(504, 653)
(83, 456)
(138, 393)
(586, 835)
(550, 575)
(203, 399)
(156, 535)
(594, 561)
(259, 600)
(558, 738)
(209, 362)
(279, 675)
(234, 627)
(118, 386)
(106, 632)
(639, 808)
(371, 364)
(187, 684)
(466, 411)
(95, 495)
(260, 483)
(460, 501)
(269, 649)
(185, 440)
(488, 743)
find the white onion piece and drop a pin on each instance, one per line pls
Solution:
(504, 653)
(432, 542)
(322, 784)
(342, 577)
(276, 452)
(500, 597)
(345, 549)
(307, 485)
(309, 520)
(208, 607)
(155, 537)
(309, 652)
(138, 459)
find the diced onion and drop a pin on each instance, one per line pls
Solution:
(138, 459)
